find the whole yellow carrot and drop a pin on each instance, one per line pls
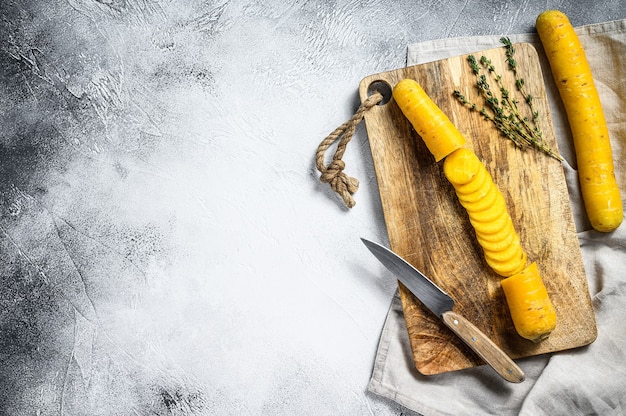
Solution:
(594, 155)
(434, 127)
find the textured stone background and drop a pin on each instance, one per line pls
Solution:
(165, 246)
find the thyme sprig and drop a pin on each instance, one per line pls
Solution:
(501, 107)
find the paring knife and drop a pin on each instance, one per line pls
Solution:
(440, 303)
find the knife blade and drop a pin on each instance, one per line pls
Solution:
(441, 304)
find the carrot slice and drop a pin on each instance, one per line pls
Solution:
(483, 203)
(462, 166)
(509, 267)
(493, 226)
(497, 208)
(482, 179)
(510, 253)
(498, 236)
(503, 243)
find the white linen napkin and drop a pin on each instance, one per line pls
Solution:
(588, 380)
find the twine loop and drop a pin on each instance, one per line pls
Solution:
(333, 174)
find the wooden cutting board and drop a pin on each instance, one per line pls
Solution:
(431, 230)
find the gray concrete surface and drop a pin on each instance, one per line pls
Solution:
(165, 245)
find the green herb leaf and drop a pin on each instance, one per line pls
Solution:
(503, 110)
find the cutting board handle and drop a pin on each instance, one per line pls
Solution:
(333, 174)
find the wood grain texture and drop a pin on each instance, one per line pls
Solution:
(428, 227)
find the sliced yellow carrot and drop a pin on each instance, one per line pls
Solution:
(503, 243)
(531, 309)
(509, 267)
(480, 180)
(475, 196)
(493, 226)
(486, 208)
(510, 253)
(462, 167)
(488, 199)
(497, 209)
(487, 211)
(499, 236)
(439, 134)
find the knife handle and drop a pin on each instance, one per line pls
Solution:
(484, 347)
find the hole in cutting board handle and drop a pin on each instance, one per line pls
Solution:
(383, 88)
